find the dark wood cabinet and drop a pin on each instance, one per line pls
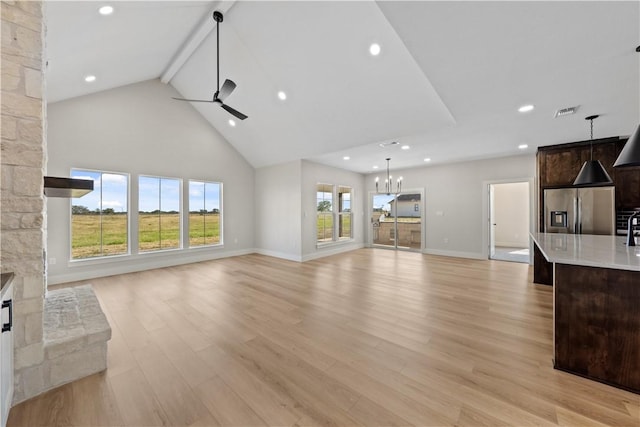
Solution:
(542, 269)
(627, 180)
(596, 324)
(558, 166)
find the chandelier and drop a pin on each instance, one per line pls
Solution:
(388, 183)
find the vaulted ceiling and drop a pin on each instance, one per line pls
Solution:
(447, 83)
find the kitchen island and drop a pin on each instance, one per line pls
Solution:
(596, 306)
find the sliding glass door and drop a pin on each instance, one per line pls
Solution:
(396, 220)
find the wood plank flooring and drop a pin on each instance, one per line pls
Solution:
(371, 337)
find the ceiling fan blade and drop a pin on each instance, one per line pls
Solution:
(193, 100)
(236, 113)
(227, 87)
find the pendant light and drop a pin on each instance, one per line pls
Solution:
(630, 155)
(388, 183)
(592, 172)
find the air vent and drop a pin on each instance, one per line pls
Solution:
(387, 144)
(566, 111)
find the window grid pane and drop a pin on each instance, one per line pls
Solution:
(204, 213)
(325, 227)
(345, 226)
(99, 220)
(159, 213)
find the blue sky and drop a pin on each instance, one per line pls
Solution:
(112, 188)
(381, 201)
(204, 195)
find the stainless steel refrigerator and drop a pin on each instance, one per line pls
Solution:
(580, 210)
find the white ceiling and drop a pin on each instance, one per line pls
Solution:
(448, 82)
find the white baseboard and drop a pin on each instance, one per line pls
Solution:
(276, 254)
(332, 250)
(139, 263)
(513, 244)
(455, 254)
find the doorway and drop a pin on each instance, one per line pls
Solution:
(396, 220)
(509, 222)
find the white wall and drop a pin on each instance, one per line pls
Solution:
(456, 201)
(313, 174)
(278, 227)
(511, 216)
(139, 129)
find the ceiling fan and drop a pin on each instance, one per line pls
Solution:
(228, 86)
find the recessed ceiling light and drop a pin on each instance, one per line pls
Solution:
(375, 166)
(105, 10)
(346, 158)
(526, 108)
(90, 78)
(523, 146)
(405, 147)
(232, 123)
(427, 159)
(282, 95)
(374, 49)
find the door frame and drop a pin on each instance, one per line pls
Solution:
(369, 224)
(486, 216)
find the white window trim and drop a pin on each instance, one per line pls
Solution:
(221, 219)
(336, 216)
(70, 233)
(180, 213)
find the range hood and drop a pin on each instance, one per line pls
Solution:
(66, 187)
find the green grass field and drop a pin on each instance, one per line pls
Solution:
(155, 232)
(324, 226)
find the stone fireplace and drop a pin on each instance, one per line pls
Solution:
(61, 335)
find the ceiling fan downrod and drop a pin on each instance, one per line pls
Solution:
(217, 16)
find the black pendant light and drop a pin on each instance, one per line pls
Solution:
(592, 172)
(630, 155)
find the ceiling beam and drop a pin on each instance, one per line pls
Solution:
(200, 32)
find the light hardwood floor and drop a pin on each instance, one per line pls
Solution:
(370, 337)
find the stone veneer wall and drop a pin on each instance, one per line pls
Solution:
(22, 204)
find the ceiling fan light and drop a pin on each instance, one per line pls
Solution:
(593, 173)
(630, 155)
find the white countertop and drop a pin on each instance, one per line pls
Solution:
(588, 250)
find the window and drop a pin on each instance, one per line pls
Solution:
(344, 213)
(324, 203)
(331, 225)
(204, 213)
(159, 216)
(100, 219)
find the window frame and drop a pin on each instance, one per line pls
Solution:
(73, 260)
(220, 220)
(337, 214)
(180, 214)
